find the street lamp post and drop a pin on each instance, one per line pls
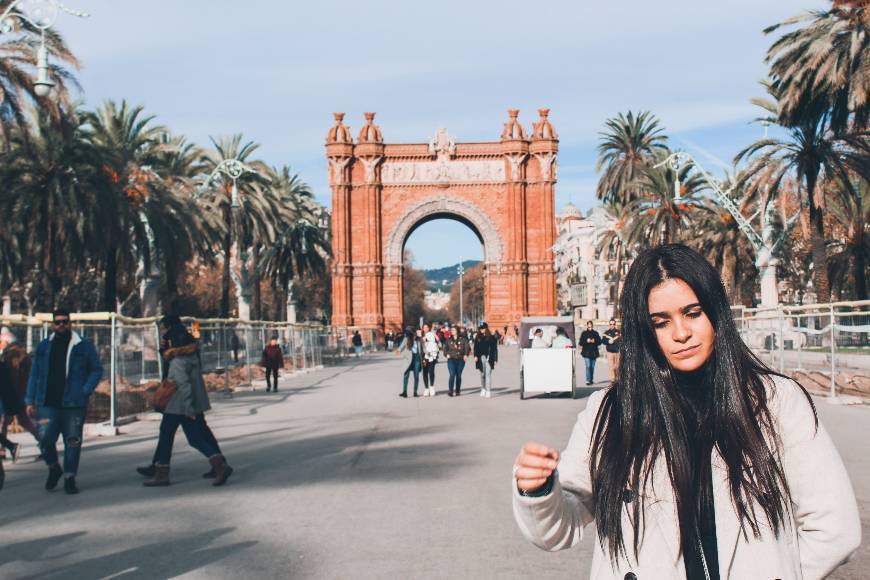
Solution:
(765, 246)
(461, 270)
(233, 169)
(41, 14)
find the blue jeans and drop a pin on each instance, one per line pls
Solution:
(455, 367)
(69, 422)
(198, 433)
(590, 369)
(414, 367)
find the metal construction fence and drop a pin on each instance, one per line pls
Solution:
(825, 346)
(230, 350)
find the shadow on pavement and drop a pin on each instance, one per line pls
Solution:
(33, 550)
(364, 454)
(157, 560)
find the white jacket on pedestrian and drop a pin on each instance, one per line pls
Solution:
(822, 532)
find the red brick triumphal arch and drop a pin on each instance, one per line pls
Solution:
(503, 190)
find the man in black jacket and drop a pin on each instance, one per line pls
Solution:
(589, 343)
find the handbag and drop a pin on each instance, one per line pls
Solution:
(164, 394)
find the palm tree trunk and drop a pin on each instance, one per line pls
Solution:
(618, 278)
(820, 258)
(821, 281)
(110, 284)
(859, 263)
(257, 313)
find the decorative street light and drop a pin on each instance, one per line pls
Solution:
(765, 246)
(234, 169)
(41, 14)
(460, 271)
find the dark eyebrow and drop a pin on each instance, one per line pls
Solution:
(684, 309)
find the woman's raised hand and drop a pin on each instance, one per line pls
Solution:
(534, 465)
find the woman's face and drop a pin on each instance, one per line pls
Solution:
(454, 332)
(683, 330)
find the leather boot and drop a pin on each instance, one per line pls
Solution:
(161, 478)
(148, 471)
(222, 471)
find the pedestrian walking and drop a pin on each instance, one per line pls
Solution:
(273, 359)
(485, 358)
(66, 370)
(388, 340)
(612, 339)
(456, 349)
(431, 348)
(589, 342)
(411, 351)
(700, 462)
(357, 342)
(186, 408)
(14, 371)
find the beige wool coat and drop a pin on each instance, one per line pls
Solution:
(823, 529)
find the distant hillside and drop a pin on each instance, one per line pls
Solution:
(443, 278)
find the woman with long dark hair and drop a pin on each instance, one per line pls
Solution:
(185, 409)
(485, 357)
(699, 462)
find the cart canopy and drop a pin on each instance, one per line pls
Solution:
(548, 325)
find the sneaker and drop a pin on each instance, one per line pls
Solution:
(482, 393)
(403, 395)
(69, 485)
(54, 475)
(433, 392)
(15, 451)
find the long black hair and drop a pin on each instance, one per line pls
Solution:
(641, 420)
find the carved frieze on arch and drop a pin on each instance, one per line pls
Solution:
(444, 205)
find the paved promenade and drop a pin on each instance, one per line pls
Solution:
(336, 477)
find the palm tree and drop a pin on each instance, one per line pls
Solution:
(850, 215)
(624, 152)
(132, 196)
(824, 66)
(302, 244)
(48, 204)
(809, 152)
(658, 218)
(18, 49)
(613, 240)
(253, 223)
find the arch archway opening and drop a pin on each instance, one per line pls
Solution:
(431, 253)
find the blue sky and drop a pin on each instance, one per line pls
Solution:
(277, 70)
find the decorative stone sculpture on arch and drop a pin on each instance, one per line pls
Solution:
(382, 192)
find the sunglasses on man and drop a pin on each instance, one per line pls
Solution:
(62, 322)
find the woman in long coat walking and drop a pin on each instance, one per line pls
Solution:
(185, 409)
(485, 357)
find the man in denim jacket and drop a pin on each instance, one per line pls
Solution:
(66, 370)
